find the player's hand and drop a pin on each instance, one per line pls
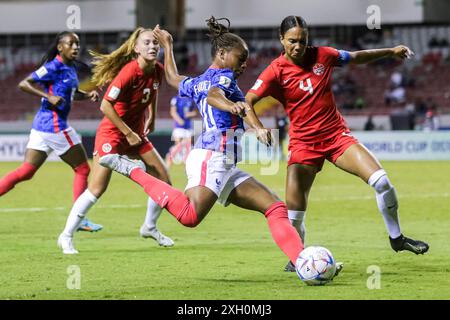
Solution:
(93, 95)
(55, 100)
(164, 38)
(264, 136)
(239, 108)
(133, 138)
(402, 52)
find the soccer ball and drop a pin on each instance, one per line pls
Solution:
(315, 266)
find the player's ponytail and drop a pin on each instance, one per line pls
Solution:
(107, 66)
(221, 37)
(53, 49)
(291, 22)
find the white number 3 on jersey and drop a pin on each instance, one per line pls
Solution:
(307, 88)
(146, 95)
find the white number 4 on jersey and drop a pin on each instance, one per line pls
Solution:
(307, 88)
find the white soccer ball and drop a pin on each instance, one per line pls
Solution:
(315, 266)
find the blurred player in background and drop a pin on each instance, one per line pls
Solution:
(57, 74)
(129, 106)
(211, 165)
(182, 110)
(301, 79)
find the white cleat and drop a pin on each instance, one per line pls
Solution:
(121, 164)
(66, 244)
(157, 236)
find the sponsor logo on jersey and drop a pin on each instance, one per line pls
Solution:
(106, 148)
(225, 81)
(114, 92)
(318, 69)
(218, 182)
(42, 71)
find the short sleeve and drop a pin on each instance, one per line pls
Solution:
(119, 86)
(45, 74)
(334, 56)
(185, 88)
(267, 84)
(173, 101)
(224, 80)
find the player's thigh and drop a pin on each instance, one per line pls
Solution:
(252, 195)
(202, 198)
(35, 157)
(155, 165)
(100, 177)
(299, 180)
(359, 161)
(75, 156)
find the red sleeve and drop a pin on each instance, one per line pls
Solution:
(267, 84)
(330, 55)
(120, 86)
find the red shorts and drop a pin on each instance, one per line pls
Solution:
(118, 144)
(315, 153)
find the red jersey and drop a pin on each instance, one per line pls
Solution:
(305, 92)
(131, 92)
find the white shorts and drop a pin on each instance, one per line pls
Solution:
(180, 133)
(59, 142)
(209, 168)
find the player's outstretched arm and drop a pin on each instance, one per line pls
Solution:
(170, 67)
(264, 135)
(366, 56)
(83, 95)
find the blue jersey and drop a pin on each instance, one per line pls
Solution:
(221, 129)
(58, 79)
(183, 106)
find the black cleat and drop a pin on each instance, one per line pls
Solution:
(289, 267)
(403, 243)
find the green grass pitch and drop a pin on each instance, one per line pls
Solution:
(230, 255)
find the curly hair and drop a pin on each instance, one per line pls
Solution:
(221, 37)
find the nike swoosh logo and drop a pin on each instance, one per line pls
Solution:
(286, 81)
(66, 80)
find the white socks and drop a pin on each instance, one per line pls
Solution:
(153, 213)
(79, 209)
(297, 220)
(387, 201)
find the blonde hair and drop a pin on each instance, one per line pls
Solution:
(107, 66)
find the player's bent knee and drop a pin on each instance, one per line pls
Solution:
(26, 171)
(83, 169)
(380, 181)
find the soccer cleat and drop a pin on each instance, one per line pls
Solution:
(156, 235)
(339, 267)
(289, 267)
(403, 243)
(89, 226)
(66, 244)
(121, 164)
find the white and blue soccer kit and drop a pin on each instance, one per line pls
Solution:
(50, 130)
(212, 162)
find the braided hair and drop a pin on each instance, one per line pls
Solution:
(221, 37)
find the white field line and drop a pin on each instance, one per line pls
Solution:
(137, 206)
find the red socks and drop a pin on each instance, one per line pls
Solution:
(284, 234)
(167, 197)
(80, 181)
(24, 172)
